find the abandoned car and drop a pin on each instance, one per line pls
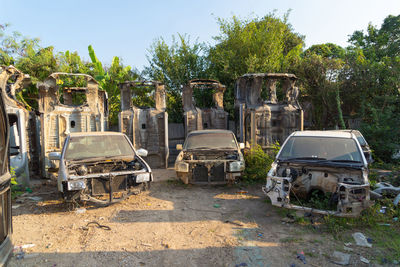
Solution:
(330, 163)
(204, 113)
(209, 157)
(94, 165)
(6, 246)
(363, 143)
(267, 109)
(68, 103)
(24, 126)
(146, 127)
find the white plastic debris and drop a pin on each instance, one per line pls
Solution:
(340, 258)
(361, 240)
(365, 260)
(80, 211)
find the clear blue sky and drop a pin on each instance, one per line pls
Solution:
(127, 28)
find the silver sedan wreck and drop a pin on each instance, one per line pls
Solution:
(209, 157)
(327, 162)
(100, 167)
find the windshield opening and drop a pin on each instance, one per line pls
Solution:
(210, 140)
(85, 147)
(321, 148)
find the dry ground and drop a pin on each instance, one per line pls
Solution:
(169, 225)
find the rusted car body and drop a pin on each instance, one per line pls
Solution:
(146, 127)
(24, 131)
(100, 167)
(331, 163)
(58, 119)
(266, 121)
(5, 177)
(207, 118)
(209, 157)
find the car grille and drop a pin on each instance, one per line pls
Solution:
(200, 173)
(102, 186)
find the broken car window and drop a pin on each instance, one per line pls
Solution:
(210, 140)
(83, 147)
(327, 148)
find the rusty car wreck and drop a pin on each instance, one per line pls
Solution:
(331, 163)
(61, 114)
(260, 117)
(6, 246)
(100, 167)
(146, 127)
(196, 118)
(209, 157)
(24, 132)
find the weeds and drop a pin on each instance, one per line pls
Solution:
(16, 189)
(258, 163)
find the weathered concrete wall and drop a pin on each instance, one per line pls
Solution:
(206, 118)
(59, 119)
(265, 121)
(146, 127)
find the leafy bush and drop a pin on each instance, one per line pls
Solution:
(15, 187)
(258, 162)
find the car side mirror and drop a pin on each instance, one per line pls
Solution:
(54, 155)
(241, 145)
(141, 152)
(179, 147)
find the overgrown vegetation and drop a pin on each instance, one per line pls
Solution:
(379, 222)
(258, 162)
(15, 187)
(341, 87)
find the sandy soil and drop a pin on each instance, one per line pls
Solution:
(169, 225)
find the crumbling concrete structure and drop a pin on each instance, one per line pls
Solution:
(59, 119)
(146, 127)
(266, 121)
(206, 118)
(24, 146)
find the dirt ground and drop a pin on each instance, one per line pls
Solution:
(169, 225)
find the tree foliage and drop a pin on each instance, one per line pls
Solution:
(360, 82)
(266, 44)
(175, 65)
(371, 80)
(319, 70)
(109, 80)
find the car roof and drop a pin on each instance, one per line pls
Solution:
(95, 133)
(329, 133)
(211, 131)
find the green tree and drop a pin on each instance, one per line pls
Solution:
(266, 44)
(175, 65)
(109, 80)
(318, 71)
(371, 82)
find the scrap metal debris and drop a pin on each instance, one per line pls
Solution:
(65, 109)
(196, 118)
(146, 127)
(262, 118)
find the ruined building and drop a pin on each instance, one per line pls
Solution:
(196, 118)
(65, 109)
(146, 127)
(24, 146)
(260, 117)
